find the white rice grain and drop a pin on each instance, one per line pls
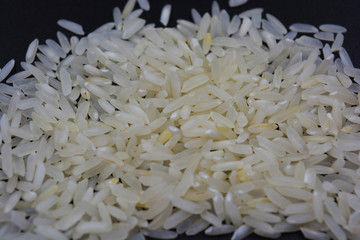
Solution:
(31, 51)
(326, 36)
(332, 28)
(4, 72)
(165, 14)
(236, 3)
(144, 4)
(71, 26)
(224, 124)
(132, 26)
(303, 27)
(186, 205)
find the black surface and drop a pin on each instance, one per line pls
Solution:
(22, 21)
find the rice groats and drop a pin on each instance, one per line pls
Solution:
(222, 125)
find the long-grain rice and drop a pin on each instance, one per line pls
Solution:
(223, 125)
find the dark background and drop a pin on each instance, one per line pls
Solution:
(23, 20)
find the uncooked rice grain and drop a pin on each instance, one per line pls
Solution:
(303, 28)
(4, 72)
(222, 125)
(236, 3)
(332, 28)
(144, 4)
(71, 26)
(165, 14)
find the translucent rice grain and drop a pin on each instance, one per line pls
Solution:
(215, 8)
(31, 51)
(282, 116)
(4, 72)
(176, 219)
(270, 29)
(231, 210)
(204, 26)
(92, 227)
(334, 228)
(117, 16)
(4, 125)
(18, 218)
(211, 218)
(298, 194)
(326, 36)
(186, 205)
(242, 232)
(197, 227)
(352, 72)
(56, 48)
(334, 211)
(256, 19)
(182, 227)
(276, 23)
(240, 149)
(276, 198)
(69, 220)
(347, 145)
(66, 81)
(155, 79)
(332, 28)
(234, 25)
(224, 229)
(71, 26)
(236, 3)
(259, 225)
(255, 36)
(312, 234)
(81, 46)
(18, 77)
(269, 145)
(307, 72)
(6, 160)
(300, 218)
(309, 42)
(165, 14)
(98, 91)
(25, 149)
(296, 139)
(64, 42)
(144, 4)
(338, 42)
(303, 27)
(12, 201)
(345, 58)
(196, 16)
(187, 24)
(262, 216)
(37, 73)
(245, 27)
(45, 205)
(156, 156)
(218, 118)
(50, 232)
(129, 6)
(106, 106)
(132, 26)
(224, 42)
(285, 227)
(160, 234)
(138, 236)
(345, 80)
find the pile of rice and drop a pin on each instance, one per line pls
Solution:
(223, 125)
